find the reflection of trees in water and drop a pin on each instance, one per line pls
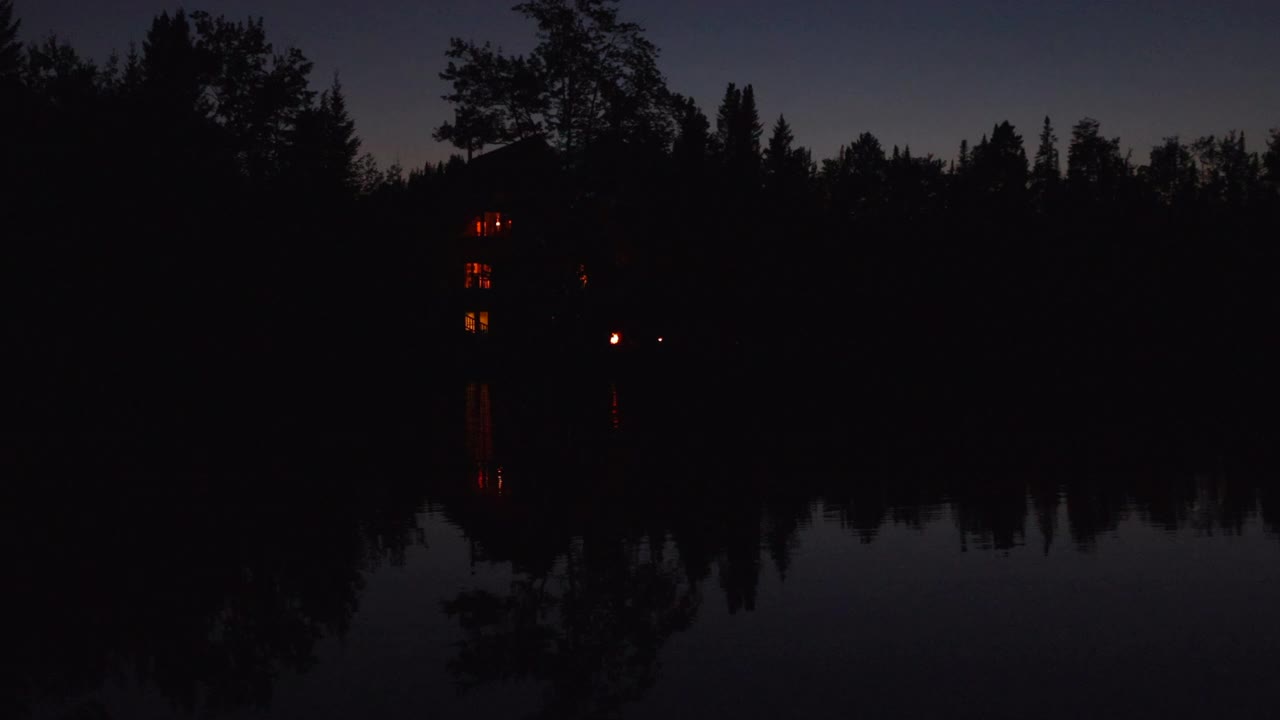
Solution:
(605, 580)
(594, 606)
(590, 629)
(203, 586)
(208, 585)
(616, 539)
(991, 511)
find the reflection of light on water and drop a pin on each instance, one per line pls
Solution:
(615, 417)
(479, 433)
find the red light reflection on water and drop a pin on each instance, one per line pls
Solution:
(479, 435)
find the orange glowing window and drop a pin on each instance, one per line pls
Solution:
(477, 322)
(491, 224)
(479, 275)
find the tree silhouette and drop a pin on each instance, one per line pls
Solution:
(779, 152)
(325, 147)
(591, 75)
(174, 72)
(1271, 160)
(56, 73)
(10, 46)
(1229, 173)
(738, 133)
(786, 169)
(1094, 165)
(1046, 173)
(693, 140)
(496, 99)
(999, 165)
(857, 177)
(1171, 172)
(237, 190)
(258, 94)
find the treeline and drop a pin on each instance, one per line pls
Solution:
(184, 227)
(197, 215)
(1008, 258)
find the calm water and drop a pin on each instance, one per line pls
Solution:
(620, 551)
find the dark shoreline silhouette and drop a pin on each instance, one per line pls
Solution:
(193, 237)
(244, 359)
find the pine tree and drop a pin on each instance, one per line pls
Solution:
(749, 125)
(778, 156)
(787, 169)
(325, 146)
(738, 132)
(726, 118)
(693, 142)
(343, 147)
(10, 47)
(1048, 167)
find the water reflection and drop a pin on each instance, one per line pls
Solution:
(478, 438)
(203, 584)
(590, 628)
(208, 581)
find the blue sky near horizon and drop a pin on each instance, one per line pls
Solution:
(924, 73)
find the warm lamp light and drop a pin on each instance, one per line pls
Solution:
(615, 338)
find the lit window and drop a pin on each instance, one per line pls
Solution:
(477, 322)
(582, 275)
(479, 275)
(492, 223)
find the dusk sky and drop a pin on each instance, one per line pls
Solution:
(920, 72)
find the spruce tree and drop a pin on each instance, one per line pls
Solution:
(693, 141)
(738, 132)
(749, 125)
(726, 118)
(778, 156)
(1048, 167)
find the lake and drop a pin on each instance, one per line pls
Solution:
(613, 548)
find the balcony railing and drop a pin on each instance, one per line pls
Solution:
(491, 224)
(477, 323)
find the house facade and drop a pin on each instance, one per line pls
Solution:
(535, 273)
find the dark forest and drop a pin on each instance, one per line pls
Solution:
(631, 404)
(192, 231)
